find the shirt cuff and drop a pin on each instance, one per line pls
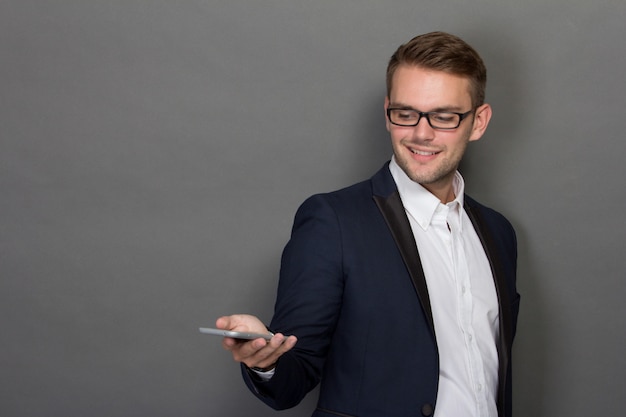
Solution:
(264, 376)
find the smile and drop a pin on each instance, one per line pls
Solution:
(423, 153)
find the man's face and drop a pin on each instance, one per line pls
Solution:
(429, 156)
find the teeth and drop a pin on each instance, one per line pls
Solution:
(415, 151)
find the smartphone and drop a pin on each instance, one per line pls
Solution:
(235, 335)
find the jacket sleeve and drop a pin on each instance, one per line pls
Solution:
(308, 303)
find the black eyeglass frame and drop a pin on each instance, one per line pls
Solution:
(427, 114)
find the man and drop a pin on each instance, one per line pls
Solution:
(398, 293)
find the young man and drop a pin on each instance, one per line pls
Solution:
(398, 293)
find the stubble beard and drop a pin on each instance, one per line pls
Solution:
(425, 175)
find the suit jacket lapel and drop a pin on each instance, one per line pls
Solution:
(390, 205)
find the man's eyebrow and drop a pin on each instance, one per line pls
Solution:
(401, 106)
(441, 109)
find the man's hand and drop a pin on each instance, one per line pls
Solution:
(257, 353)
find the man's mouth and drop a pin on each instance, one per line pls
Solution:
(423, 153)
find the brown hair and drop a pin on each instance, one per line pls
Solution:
(440, 51)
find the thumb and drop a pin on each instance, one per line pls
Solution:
(225, 322)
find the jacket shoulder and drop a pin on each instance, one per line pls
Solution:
(362, 192)
(490, 215)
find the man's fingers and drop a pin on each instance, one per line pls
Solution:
(270, 354)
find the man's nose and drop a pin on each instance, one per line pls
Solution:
(423, 130)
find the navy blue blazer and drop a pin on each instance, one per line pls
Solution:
(353, 291)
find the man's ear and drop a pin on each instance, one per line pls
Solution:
(386, 107)
(482, 116)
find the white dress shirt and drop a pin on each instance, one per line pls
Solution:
(462, 296)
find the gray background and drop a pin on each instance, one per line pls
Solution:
(153, 154)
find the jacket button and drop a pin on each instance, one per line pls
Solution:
(427, 410)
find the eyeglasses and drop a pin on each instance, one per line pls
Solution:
(436, 119)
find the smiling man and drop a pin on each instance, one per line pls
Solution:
(398, 294)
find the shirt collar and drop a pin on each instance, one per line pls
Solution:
(420, 203)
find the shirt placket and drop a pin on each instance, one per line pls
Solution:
(465, 303)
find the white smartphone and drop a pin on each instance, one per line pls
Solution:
(235, 335)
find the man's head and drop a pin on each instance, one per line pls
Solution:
(439, 51)
(435, 107)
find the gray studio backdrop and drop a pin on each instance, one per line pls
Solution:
(153, 154)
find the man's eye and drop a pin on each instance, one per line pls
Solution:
(406, 115)
(442, 117)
